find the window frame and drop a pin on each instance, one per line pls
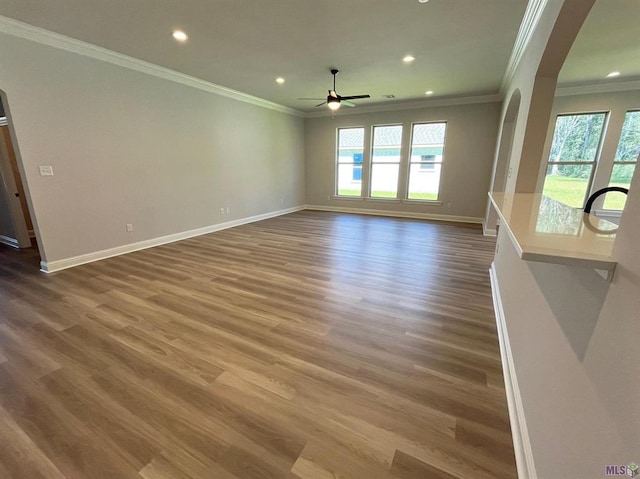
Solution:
(372, 163)
(615, 162)
(441, 162)
(336, 163)
(597, 157)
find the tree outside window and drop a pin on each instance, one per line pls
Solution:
(625, 160)
(574, 151)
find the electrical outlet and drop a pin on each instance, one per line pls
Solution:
(129, 227)
(46, 170)
(228, 210)
(221, 211)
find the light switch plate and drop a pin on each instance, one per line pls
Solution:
(46, 170)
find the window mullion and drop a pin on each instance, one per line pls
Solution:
(366, 162)
(405, 160)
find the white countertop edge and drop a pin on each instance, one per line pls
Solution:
(568, 258)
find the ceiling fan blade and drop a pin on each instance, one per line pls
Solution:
(320, 104)
(354, 97)
(310, 98)
(347, 103)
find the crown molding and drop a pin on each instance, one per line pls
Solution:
(410, 105)
(529, 22)
(56, 40)
(594, 88)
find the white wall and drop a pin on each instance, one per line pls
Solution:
(128, 147)
(468, 156)
(535, 80)
(574, 339)
(573, 336)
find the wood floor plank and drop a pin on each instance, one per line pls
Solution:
(310, 346)
(20, 455)
(411, 468)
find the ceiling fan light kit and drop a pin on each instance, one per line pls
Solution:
(335, 101)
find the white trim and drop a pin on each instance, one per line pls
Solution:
(58, 265)
(593, 88)
(529, 23)
(488, 232)
(409, 105)
(396, 214)
(348, 198)
(381, 199)
(9, 241)
(8, 184)
(521, 443)
(45, 37)
(410, 201)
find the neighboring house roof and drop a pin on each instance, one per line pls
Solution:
(429, 134)
(352, 138)
(424, 135)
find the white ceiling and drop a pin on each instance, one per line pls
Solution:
(462, 47)
(608, 41)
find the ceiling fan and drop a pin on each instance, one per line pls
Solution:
(334, 100)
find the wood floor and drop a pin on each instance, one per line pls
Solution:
(313, 345)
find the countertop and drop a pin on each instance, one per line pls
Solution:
(543, 229)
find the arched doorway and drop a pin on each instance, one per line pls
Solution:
(503, 156)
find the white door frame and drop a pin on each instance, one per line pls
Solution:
(7, 182)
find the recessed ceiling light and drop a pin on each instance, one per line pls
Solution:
(408, 59)
(180, 35)
(423, 1)
(279, 80)
(428, 92)
(613, 74)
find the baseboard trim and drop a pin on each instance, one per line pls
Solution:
(521, 443)
(9, 241)
(397, 214)
(59, 265)
(488, 232)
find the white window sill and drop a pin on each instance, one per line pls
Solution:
(383, 200)
(423, 202)
(349, 198)
(387, 200)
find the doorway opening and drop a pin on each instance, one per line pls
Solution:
(502, 173)
(17, 233)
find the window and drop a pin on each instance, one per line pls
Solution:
(574, 152)
(350, 153)
(395, 165)
(425, 164)
(385, 161)
(625, 161)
